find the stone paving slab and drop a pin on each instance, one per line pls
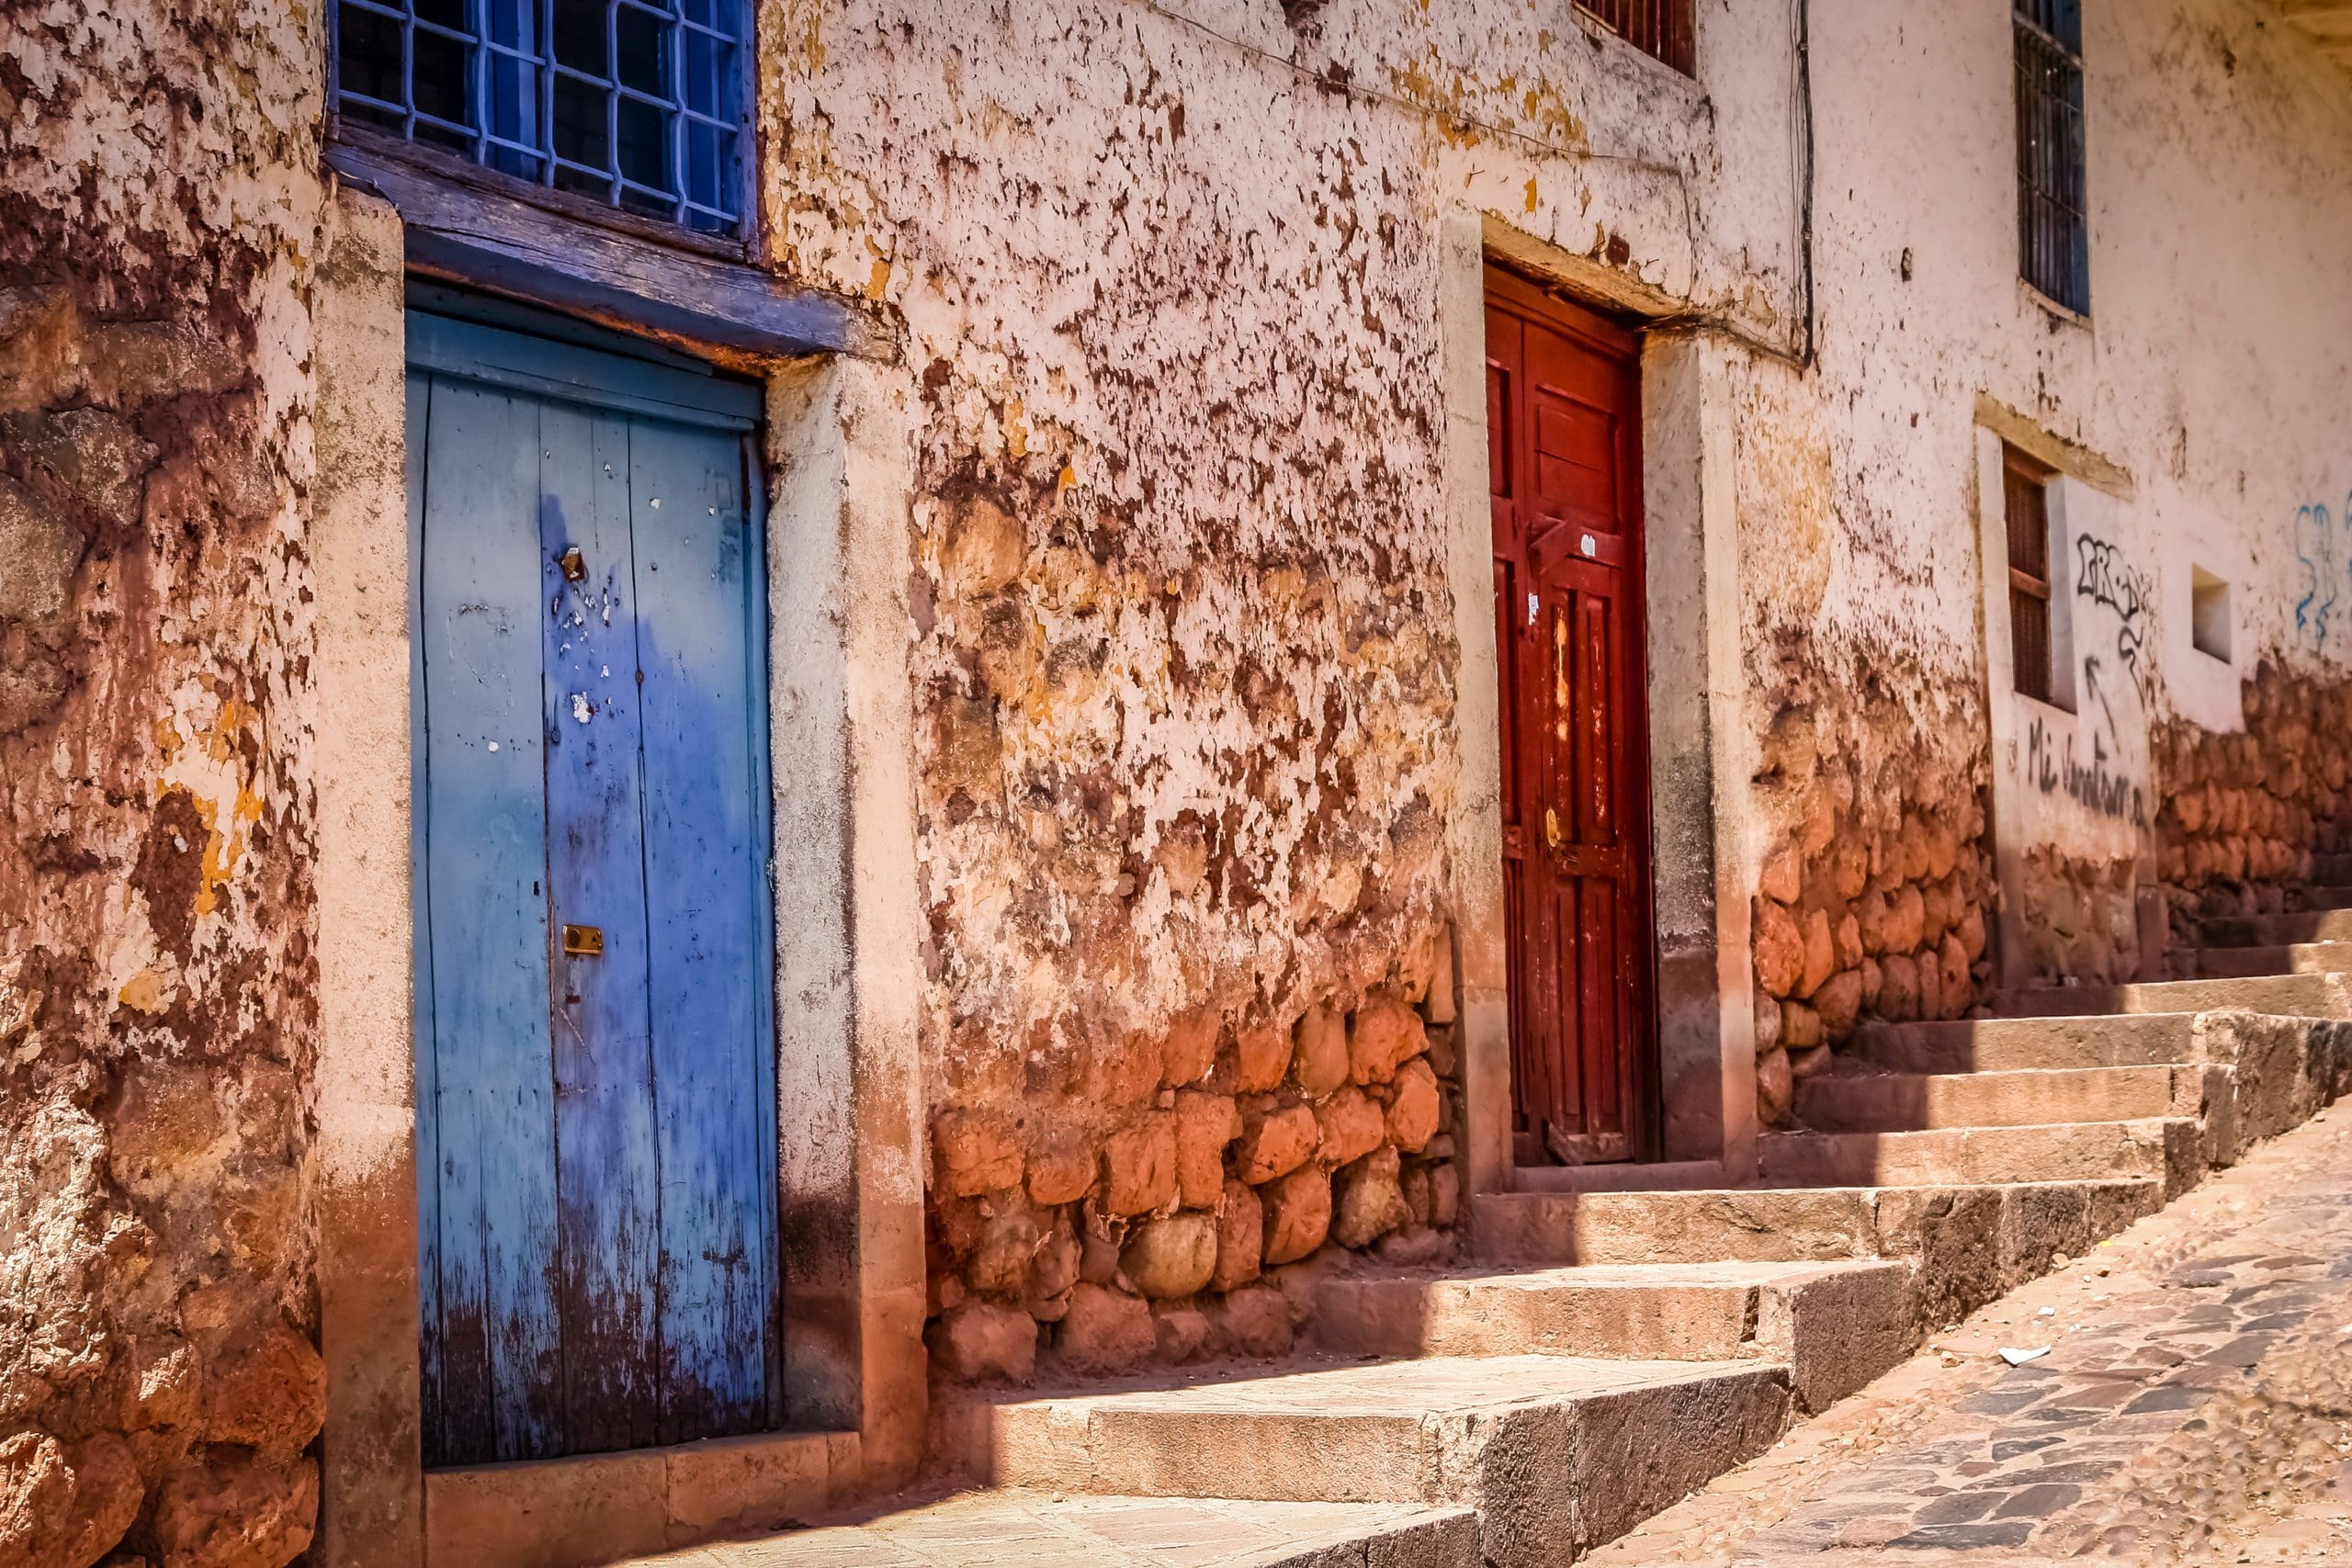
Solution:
(1037, 1529)
(2195, 1407)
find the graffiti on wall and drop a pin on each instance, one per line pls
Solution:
(2054, 768)
(2103, 576)
(2315, 549)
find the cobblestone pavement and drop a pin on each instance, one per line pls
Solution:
(2195, 1407)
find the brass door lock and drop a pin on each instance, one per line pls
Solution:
(587, 941)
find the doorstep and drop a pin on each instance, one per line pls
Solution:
(596, 1508)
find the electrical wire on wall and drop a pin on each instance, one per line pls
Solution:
(1800, 113)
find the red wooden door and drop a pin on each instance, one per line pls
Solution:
(1562, 407)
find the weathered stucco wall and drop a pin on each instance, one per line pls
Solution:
(2205, 398)
(1184, 646)
(1181, 630)
(158, 1385)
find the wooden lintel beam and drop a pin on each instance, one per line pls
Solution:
(468, 233)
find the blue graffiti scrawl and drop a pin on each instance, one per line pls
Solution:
(2315, 548)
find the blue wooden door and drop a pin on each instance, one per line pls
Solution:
(595, 1066)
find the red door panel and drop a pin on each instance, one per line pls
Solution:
(1563, 397)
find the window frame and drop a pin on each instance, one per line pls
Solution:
(1666, 31)
(465, 170)
(2051, 86)
(2038, 678)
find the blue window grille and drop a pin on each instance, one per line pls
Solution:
(637, 104)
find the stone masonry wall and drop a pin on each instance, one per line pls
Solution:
(1874, 897)
(159, 1386)
(1184, 1228)
(2242, 815)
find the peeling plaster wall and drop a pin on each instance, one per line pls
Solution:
(158, 1381)
(2206, 401)
(1182, 629)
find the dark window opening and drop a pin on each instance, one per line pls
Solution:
(1663, 28)
(637, 104)
(2053, 234)
(2026, 505)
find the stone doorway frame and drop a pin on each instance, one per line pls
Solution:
(1699, 748)
(839, 463)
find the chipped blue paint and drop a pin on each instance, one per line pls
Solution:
(596, 1132)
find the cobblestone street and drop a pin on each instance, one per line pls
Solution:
(2194, 1406)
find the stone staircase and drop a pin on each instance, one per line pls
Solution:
(1608, 1351)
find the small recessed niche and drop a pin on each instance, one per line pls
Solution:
(2209, 613)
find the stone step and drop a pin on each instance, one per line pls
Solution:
(2290, 958)
(1556, 1453)
(2328, 895)
(1661, 1175)
(1903, 1102)
(2305, 996)
(2007, 1044)
(1835, 1326)
(1968, 1243)
(1040, 1529)
(2162, 1147)
(2265, 930)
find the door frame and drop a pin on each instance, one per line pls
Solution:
(837, 471)
(1515, 293)
(1700, 756)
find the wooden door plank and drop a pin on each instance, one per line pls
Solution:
(607, 1177)
(486, 864)
(706, 843)
(424, 1093)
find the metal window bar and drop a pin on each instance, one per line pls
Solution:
(640, 104)
(2025, 504)
(1664, 29)
(2054, 231)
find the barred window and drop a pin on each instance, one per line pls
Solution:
(2053, 236)
(640, 105)
(1664, 28)
(2026, 505)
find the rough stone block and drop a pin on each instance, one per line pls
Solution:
(1262, 1058)
(1820, 954)
(981, 1342)
(1182, 1331)
(1413, 1113)
(1206, 1123)
(1779, 948)
(1319, 1052)
(1188, 1051)
(975, 1151)
(1172, 1257)
(1349, 1126)
(1139, 1166)
(1275, 1143)
(1105, 1332)
(1384, 1031)
(1368, 1202)
(1061, 1170)
(1253, 1321)
(1298, 1214)
(1240, 1237)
